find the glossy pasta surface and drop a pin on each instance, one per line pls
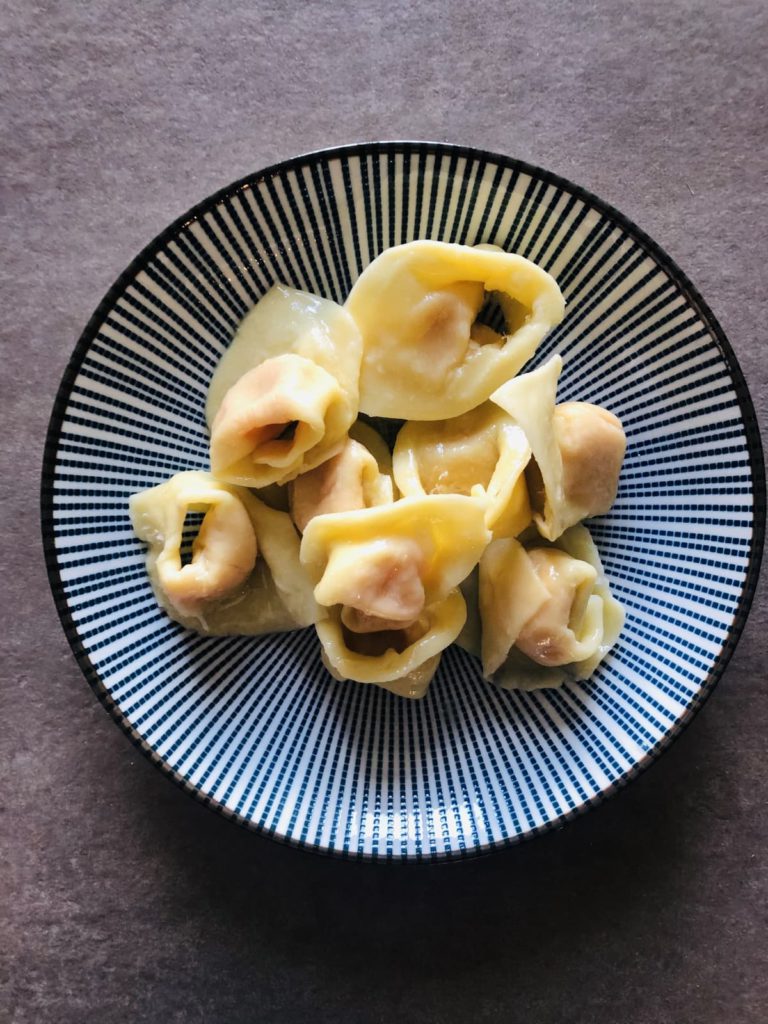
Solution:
(466, 532)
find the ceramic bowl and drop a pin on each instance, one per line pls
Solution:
(255, 726)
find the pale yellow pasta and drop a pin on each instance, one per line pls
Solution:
(285, 392)
(282, 418)
(465, 533)
(371, 439)
(347, 481)
(481, 452)
(509, 592)
(286, 321)
(400, 660)
(244, 575)
(568, 627)
(430, 543)
(547, 613)
(577, 449)
(388, 578)
(577, 541)
(424, 357)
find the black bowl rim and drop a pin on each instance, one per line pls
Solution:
(392, 148)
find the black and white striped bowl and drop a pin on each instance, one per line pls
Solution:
(256, 727)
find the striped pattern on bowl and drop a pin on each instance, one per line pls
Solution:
(256, 726)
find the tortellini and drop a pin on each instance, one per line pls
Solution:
(424, 355)
(402, 660)
(577, 450)
(285, 392)
(427, 545)
(463, 534)
(347, 481)
(482, 452)
(388, 577)
(244, 575)
(546, 611)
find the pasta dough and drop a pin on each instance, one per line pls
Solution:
(402, 554)
(577, 450)
(388, 576)
(592, 446)
(402, 661)
(430, 543)
(347, 481)
(285, 392)
(287, 320)
(546, 611)
(282, 418)
(424, 357)
(244, 575)
(482, 453)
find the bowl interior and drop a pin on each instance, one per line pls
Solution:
(255, 725)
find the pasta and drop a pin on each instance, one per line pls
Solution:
(244, 575)
(401, 660)
(424, 357)
(468, 532)
(546, 610)
(391, 573)
(345, 482)
(285, 393)
(577, 450)
(481, 452)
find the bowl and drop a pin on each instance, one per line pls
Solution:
(256, 727)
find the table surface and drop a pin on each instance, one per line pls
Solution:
(122, 898)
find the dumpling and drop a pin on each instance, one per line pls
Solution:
(287, 320)
(578, 543)
(546, 611)
(402, 660)
(424, 355)
(285, 392)
(408, 554)
(577, 450)
(244, 575)
(481, 452)
(282, 418)
(592, 444)
(347, 481)
(385, 574)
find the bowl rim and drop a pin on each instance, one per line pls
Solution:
(406, 148)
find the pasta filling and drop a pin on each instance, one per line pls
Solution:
(380, 579)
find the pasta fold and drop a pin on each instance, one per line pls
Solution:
(547, 612)
(388, 577)
(348, 481)
(285, 392)
(403, 661)
(244, 575)
(480, 453)
(424, 356)
(577, 450)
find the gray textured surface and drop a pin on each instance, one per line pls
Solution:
(121, 898)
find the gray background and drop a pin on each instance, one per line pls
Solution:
(123, 899)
